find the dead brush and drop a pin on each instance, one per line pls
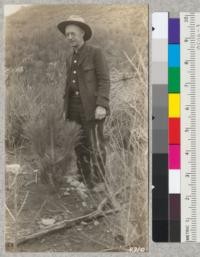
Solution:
(126, 181)
(52, 143)
(18, 109)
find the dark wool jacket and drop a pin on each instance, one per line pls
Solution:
(94, 80)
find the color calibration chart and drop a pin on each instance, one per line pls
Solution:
(176, 127)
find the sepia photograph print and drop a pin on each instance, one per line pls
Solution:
(76, 134)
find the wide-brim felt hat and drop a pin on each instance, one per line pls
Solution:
(78, 21)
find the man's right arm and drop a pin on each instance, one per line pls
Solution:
(65, 90)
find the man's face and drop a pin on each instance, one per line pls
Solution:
(74, 35)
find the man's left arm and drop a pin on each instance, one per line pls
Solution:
(103, 79)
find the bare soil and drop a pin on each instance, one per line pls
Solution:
(42, 203)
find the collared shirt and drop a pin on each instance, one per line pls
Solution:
(74, 84)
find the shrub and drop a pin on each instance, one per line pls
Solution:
(52, 143)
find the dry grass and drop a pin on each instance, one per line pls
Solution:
(127, 167)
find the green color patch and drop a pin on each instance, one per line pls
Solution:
(174, 80)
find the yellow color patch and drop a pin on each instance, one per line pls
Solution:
(174, 105)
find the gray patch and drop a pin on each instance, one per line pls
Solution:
(160, 142)
(159, 73)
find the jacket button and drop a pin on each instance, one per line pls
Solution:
(73, 81)
(76, 93)
(75, 61)
(74, 71)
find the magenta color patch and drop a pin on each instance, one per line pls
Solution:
(174, 157)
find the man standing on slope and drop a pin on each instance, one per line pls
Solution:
(86, 97)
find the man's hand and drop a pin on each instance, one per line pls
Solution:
(63, 115)
(100, 113)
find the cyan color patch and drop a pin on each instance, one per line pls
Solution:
(174, 55)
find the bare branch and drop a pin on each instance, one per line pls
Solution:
(24, 202)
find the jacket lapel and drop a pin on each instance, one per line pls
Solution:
(83, 54)
(69, 58)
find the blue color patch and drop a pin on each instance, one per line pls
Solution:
(174, 55)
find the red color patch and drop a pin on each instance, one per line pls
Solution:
(174, 131)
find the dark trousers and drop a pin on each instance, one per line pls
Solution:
(90, 152)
